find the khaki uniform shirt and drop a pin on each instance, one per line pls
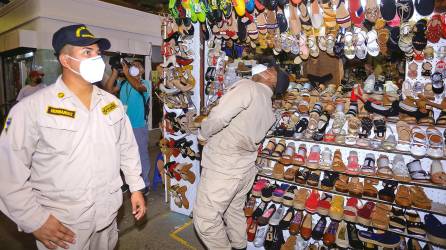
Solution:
(235, 128)
(57, 157)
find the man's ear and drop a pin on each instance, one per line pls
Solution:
(63, 59)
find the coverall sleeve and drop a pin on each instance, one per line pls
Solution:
(130, 159)
(17, 145)
(229, 106)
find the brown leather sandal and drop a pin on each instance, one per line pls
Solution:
(403, 196)
(369, 188)
(419, 198)
(341, 184)
(355, 187)
(380, 216)
(338, 164)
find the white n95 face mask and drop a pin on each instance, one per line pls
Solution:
(91, 69)
(133, 71)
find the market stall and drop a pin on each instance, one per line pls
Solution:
(355, 158)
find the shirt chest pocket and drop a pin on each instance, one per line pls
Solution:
(57, 134)
(113, 119)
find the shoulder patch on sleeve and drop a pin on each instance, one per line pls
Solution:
(109, 108)
(7, 124)
(61, 112)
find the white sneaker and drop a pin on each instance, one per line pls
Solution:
(260, 235)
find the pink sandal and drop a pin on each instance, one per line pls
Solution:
(353, 165)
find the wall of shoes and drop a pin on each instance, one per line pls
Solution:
(357, 164)
(180, 93)
(357, 173)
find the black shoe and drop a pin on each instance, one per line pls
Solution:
(286, 221)
(355, 243)
(319, 229)
(329, 180)
(259, 210)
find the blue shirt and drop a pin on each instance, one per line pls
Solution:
(134, 102)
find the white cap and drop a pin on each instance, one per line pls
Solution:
(259, 68)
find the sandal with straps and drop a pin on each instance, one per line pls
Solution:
(301, 156)
(338, 164)
(380, 128)
(418, 142)
(368, 168)
(364, 133)
(435, 142)
(300, 127)
(404, 135)
(280, 148)
(400, 170)
(353, 130)
(416, 171)
(384, 169)
(414, 224)
(323, 122)
(388, 192)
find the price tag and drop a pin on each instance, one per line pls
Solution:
(197, 8)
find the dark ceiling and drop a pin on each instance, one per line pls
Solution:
(151, 6)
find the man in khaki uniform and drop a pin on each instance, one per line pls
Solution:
(61, 152)
(233, 132)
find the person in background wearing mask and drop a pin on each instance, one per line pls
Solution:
(232, 134)
(134, 94)
(61, 152)
(35, 84)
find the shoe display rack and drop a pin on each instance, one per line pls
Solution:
(181, 97)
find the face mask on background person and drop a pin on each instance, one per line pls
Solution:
(133, 71)
(91, 69)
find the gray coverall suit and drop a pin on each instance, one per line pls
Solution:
(233, 131)
(57, 157)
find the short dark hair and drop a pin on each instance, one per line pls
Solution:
(138, 61)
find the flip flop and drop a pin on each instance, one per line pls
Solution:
(424, 7)
(357, 12)
(295, 26)
(388, 9)
(372, 11)
(240, 7)
(405, 9)
(342, 15)
(271, 21)
(250, 6)
(372, 43)
(305, 19)
(329, 14)
(281, 21)
(317, 18)
(261, 22)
